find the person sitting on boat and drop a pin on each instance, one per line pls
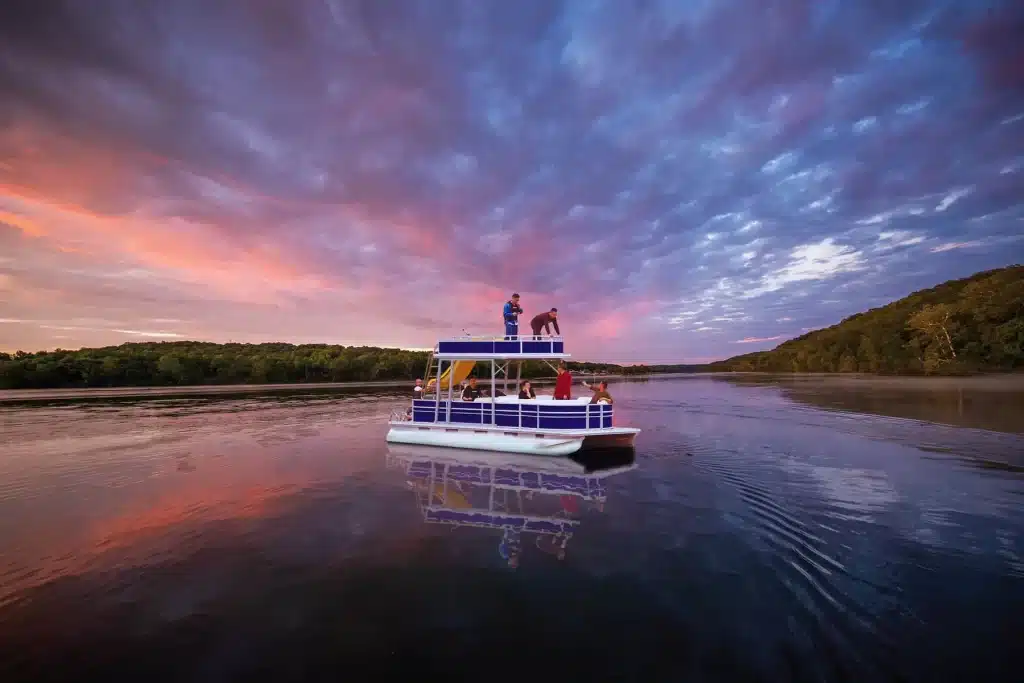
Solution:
(601, 394)
(545, 321)
(511, 313)
(472, 392)
(526, 390)
(563, 383)
(417, 393)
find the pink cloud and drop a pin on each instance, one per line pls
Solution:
(192, 252)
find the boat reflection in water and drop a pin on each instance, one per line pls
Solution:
(524, 496)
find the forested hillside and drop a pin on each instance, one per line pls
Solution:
(189, 363)
(971, 325)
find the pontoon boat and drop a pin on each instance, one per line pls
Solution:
(538, 426)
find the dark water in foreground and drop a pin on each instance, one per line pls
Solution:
(754, 538)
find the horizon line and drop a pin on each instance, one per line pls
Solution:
(623, 362)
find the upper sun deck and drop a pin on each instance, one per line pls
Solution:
(501, 348)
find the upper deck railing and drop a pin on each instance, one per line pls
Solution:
(493, 347)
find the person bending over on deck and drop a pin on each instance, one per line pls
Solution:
(601, 394)
(545, 321)
(510, 313)
(563, 384)
(472, 391)
(526, 390)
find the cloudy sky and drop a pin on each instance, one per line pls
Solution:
(684, 180)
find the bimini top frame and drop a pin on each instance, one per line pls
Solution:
(524, 347)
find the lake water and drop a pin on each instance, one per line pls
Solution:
(757, 534)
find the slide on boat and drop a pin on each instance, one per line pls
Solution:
(457, 372)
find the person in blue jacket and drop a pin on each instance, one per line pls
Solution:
(511, 313)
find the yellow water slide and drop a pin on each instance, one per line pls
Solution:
(455, 373)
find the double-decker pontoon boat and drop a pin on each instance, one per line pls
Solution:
(538, 426)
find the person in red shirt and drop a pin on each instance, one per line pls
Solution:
(563, 383)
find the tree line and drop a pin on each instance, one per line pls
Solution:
(969, 325)
(975, 324)
(192, 363)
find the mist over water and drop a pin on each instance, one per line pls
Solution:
(759, 532)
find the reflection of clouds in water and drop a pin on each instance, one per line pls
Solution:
(38, 449)
(948, 529)
(927, 534)
(856, 490)
(924, 483)
(1007, 540)
(937, 517)
(928, 526)
(922, 510)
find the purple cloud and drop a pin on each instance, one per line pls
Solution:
(671, 177)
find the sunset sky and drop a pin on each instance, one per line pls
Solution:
(683, 180)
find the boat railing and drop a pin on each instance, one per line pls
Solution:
(497, 347)
(521, 414)
(505, 337)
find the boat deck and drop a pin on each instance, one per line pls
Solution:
(524, 347)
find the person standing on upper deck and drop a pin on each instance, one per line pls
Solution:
(545, 320)
(511, 313)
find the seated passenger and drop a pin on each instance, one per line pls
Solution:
(601, 394)
(417, 390)
(526, 391)
(563, 384)
(472, 391)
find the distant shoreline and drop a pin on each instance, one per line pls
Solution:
(1004, 381)
(14, 395)
(1013, 382)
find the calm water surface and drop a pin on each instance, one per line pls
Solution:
(753, 536)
